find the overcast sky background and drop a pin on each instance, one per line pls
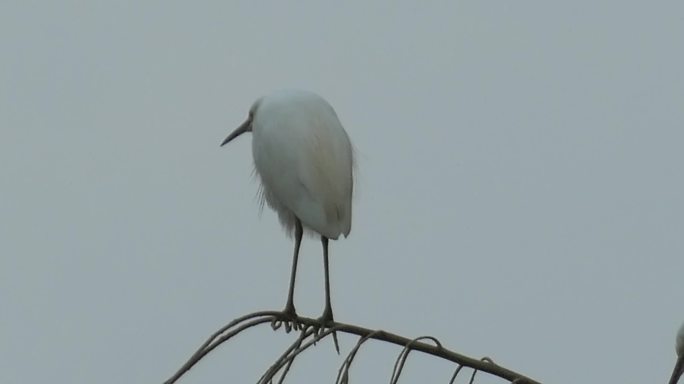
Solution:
(519, 190)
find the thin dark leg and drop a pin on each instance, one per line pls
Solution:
(289, 307)
(327, 312)
(327, 317)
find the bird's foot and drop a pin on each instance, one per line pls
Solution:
(327, 321)
(288, 318)
(327, 317)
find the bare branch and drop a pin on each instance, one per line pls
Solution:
(310, 329)
(208, 346)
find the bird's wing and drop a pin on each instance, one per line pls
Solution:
(306, 168)
(329, 179)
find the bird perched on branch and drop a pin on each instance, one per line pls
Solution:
(304, 160)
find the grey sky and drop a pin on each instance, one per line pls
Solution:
(519, 194)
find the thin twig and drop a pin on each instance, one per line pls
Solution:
(453, 377)
(273, 370)
(343, 372)
(290, 357)
(230, 334)
(401, 359)
(472, 378)
(484, 359)
(206, 346)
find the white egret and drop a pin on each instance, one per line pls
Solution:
(679, 365)
(304, 160)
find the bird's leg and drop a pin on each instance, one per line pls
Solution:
(327, 317)
(327, 312)
(289, 312)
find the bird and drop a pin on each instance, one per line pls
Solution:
(679, 348)
(304, 160)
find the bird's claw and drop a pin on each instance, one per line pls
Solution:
(288, 318)
(326, 318)
(327, 321)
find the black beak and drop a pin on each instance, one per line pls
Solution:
(244, 127)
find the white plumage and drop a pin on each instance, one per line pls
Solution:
(304, 160)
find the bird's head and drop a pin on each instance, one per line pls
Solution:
(244, 127)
